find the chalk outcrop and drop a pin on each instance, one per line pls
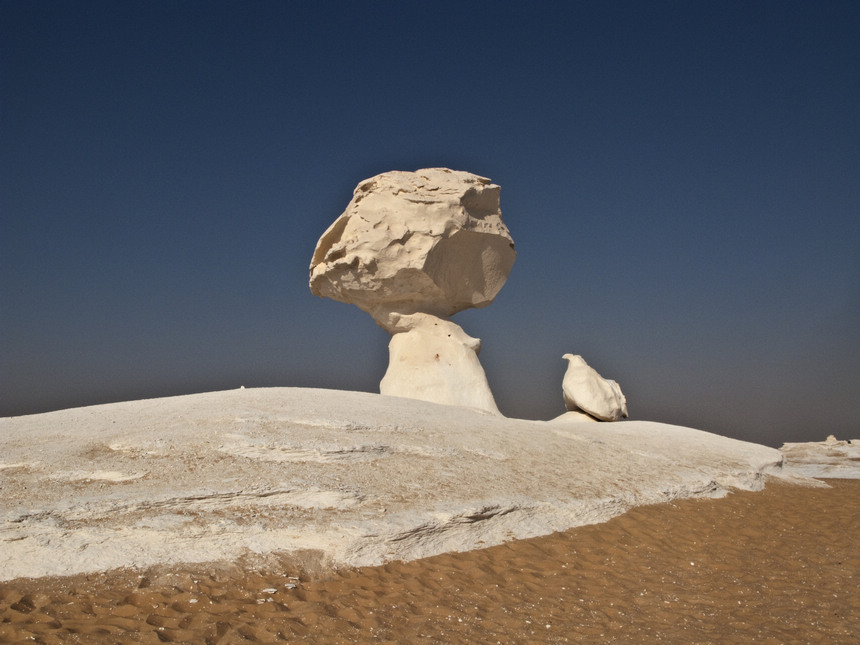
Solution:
(585, 390)
(831, 458)
(412, 249)
(329, 477)
(435, 360)
(430, 241)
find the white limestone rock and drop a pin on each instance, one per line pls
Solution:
(574, 416)
(327, 478)
(831, 458)
(435, 360)
(411, 249)
(429, 241)
(584, 389)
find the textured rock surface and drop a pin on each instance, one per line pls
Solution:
(576, 416)
(429, 241)
(831, 458)
(411, 249)
(584, 389)
(437, 361)
(354, 478)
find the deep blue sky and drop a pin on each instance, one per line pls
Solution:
(681, 179)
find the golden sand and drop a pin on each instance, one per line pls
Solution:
(777, 566)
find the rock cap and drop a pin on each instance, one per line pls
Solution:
(430, 241)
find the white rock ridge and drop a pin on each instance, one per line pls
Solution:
(412, 249)
(584, 389)
(826, 459)
(342, 478)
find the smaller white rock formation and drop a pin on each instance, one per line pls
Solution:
(585, 390)
(412, 249)
(577, 416)
(831, 458)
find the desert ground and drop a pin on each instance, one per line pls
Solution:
(351, 518)
(776, 566)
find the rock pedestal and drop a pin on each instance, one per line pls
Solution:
(435, 360)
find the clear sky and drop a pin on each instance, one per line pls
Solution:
(681, 179)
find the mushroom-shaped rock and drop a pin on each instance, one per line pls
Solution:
(584, 389)
(411, 249)
(429, 241)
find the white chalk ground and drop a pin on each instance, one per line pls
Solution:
(347, 478)
(830, 459)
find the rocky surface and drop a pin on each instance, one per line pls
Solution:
(831, 458)
(339, 477)
(586, 391)
(435, 360)
(412, 249)
(429, 241)
(575, 415)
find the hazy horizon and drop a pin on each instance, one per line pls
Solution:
(680, 180)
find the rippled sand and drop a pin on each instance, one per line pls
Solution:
(778, 566)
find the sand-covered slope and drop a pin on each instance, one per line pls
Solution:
(344, 477)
